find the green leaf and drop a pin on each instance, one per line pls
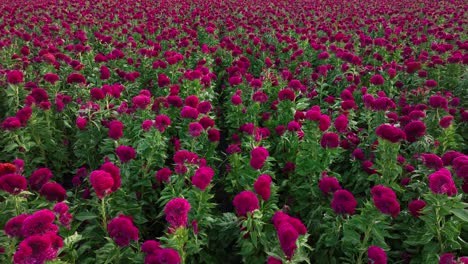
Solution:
(83, 216)
(460, 213)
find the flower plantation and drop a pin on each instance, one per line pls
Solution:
(248, 131)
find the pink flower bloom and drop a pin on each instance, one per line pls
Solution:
(343, 202)
(176, 211)
(122, 230)
(15, 77)
(245, 202)
(441, 182)
(102, 182)
(385, 200)
(53, 191)
(13, 183)
(125, 153)
(115, 129)
(376, 255)
(329, 185)
(415, 207)
(262, 186)
(202, 177)
(39, 178)
(39, 223)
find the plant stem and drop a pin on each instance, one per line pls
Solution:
(103, 213)
(364, 243)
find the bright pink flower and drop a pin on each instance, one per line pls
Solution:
(122, 230)
(13, 183)
(15, 77)
(441, 182)
(376, 255)
(39, 177)
(245, 202)
(343, 202)
(125, 153)
(202, 177)
(102, 182)
(53, 191)
(115, 129)
(262, 186)
(176, 211)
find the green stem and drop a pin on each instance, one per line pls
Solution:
(103, 213)
(439, 227)
(364, 243)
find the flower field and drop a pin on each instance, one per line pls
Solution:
(167, 132)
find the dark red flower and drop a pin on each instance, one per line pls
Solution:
(15, 77)
(13, 183)
(441, 182)
(343, 202)
(377, 79)
(385, 200)
(376, 255)
(53, 191)
(39, 177)
(125, 153)
(122, 230)
(415, 207)
(245, 202)
(76, 78)
(202, 177)
(415, 130)
(13, 227)
(39, 223)
(329, 140)
(176, 211)
(262, 186)
(115, 129)
(390, 133)
(102, 182)
(329, 185)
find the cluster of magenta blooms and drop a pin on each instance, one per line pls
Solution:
(357, 57)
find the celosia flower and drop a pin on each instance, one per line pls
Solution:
(38, 248)
(13, 227)
(385, 200)
(81, 123)
(114, 172)
(163, 175)
(213, 135)
(202, 177)
(53, 191)
(195, 129)
(377, 79)
(416, 206)
(273, 260)
(245, 202)
(15, 77)
(343, 202)
(189, 112)
(329, 140)
(39, 223)
(258, 157)
(287, 236)
(445, 121)
(447, 258)
(390, 133)
(341, 123)
(75, 78)
(39, 177)
(162, 122)
(262, 186)
(102, 182)
(122, 230)
(125, 153)
(441, 182)
(415, 130)
(329, 185)
(376, 255)
(13, 183)
(115, 129)
(432, 161)
(176, 211)
(324, 122)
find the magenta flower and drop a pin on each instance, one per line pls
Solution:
(38, 248)
(102, 182)
(176, 211)
(258, 157)
(416, 206)
(39, 223)
(262, 186)
(390, 133)
(329, 140)
(13, 227)
(163, 175)
(385, 200)
(329, 185)
(53, 191)
(122, 230)
(13, 183)
(195, 129)
(376, 255)
(245, 202)
(343, 202)
(441, 182)
(39, 177)
(125, 153)
(377, 79)
(15, 77)
(115, 129)
(202, 177)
